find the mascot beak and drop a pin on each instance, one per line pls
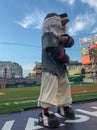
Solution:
(64, 19)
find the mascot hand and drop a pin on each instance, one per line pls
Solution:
(66, 40)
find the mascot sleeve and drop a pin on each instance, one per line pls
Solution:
(59, 54)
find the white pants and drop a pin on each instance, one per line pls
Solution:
(54, 91)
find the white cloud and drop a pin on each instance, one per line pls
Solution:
(27, 21)
(82, 23)
(27, 69)
(91, 3)
(94, 30)
(35, 18)
(28, 66)
(70, 2)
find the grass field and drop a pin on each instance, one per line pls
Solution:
(15, 99)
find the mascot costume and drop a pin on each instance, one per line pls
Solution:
(55, 87)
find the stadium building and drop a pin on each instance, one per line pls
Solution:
(89, 57)
(89, 50)
(10, 69)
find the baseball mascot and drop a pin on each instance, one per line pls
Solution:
(55, 87)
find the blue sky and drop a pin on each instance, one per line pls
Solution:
(21, 21)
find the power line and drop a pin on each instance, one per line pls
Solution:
(72, 50)
(28, 45)
(19, 44)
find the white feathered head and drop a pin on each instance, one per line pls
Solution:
(53, 23)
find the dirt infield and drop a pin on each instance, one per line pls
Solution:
(77, 89)
(83, 89)
(2, 93)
